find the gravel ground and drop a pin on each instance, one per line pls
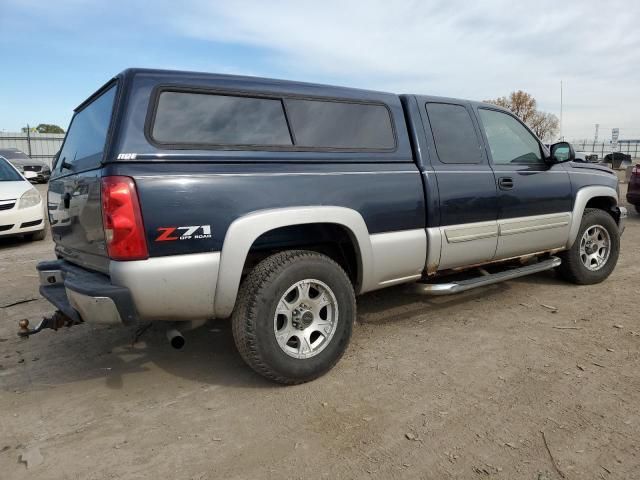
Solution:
(489, 384)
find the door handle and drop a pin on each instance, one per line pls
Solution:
(505, 183)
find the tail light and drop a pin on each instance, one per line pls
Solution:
(635, 170)
(122, 219)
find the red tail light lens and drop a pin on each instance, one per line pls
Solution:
(122, 219)
(636, 170)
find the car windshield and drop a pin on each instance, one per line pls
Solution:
(7, 172)
(14, 154)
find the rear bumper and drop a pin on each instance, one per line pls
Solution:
(84, 295)
(172, 288)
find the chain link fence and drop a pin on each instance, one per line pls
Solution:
(42, 146)
(627, 147)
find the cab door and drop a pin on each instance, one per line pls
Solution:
(468, 206)
(534, 198)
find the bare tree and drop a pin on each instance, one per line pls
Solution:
(544, 125)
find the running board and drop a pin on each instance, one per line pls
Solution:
(464, 285)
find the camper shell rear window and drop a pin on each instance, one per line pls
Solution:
(86, 138)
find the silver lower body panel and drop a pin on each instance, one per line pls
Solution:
(172, 288)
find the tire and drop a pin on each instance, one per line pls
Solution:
(574, 268)
(637, 208)
(37, 236)
(273, 314)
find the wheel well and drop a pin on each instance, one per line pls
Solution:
(330, 239)
(603, 203)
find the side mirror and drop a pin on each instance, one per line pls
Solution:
(562, 152)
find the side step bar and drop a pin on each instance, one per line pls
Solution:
(464, 285)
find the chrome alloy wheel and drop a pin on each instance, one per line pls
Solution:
(595, 247)
(306, 319)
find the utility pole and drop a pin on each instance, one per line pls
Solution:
(595, 137)
(561, 135)
(29, 139)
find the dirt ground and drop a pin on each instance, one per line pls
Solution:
(430, 388)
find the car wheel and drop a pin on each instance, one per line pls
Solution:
(594, 254)
(294, 316)
(637, 208)
(37, 236)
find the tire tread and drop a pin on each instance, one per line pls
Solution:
(571, 268)
(245, 316)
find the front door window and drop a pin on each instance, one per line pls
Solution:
(510, 142)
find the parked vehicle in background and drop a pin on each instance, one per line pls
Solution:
(189, 196)
(633, 191)
(617, 160)
(587, 157)
(21, 207)
(33, 169)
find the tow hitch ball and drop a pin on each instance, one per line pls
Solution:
(54, 322)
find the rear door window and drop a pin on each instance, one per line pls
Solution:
(340, 125)
(454, 134)
(84, 145)
(187, 118)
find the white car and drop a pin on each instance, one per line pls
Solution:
(21, 207)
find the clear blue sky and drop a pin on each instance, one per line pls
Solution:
(54, 54)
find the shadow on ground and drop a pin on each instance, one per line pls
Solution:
(87, 352)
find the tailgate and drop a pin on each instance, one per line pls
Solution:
(74, 202)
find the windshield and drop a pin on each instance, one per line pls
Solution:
(13, 154)
(7, 172)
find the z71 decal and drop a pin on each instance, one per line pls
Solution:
(193, 232)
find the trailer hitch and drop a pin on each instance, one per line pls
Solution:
(54, 322)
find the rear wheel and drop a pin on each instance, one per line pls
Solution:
(594, 254)
(294, 316)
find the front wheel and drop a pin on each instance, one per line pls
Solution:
(37, 236)
(594, 254)
(294, 316)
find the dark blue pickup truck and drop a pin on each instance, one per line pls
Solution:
(182, 197)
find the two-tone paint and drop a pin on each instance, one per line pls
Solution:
(406, 212)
